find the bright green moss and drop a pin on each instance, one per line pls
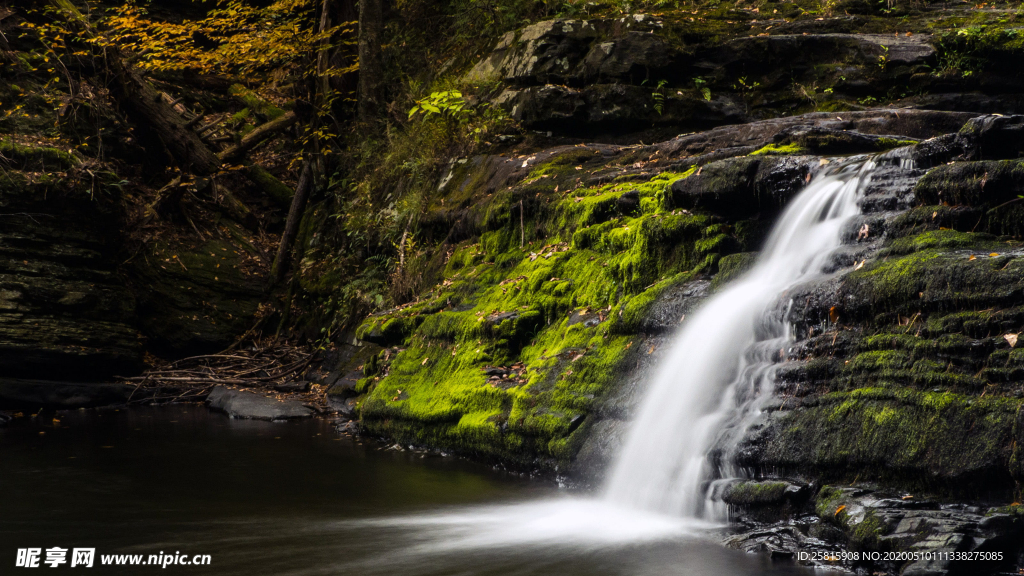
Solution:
(779, 150)
(557, 315)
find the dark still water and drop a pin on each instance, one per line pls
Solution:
(294, 498)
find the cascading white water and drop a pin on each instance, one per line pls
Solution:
(704, 397)
(719, 371)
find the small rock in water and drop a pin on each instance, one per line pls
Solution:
(249, 405)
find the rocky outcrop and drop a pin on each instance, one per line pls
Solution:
(579, 51)
(65, 313)
(78, 310)
(632, 74)
(910, 367)
(873, 531)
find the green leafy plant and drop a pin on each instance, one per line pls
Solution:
(744, 86)
(659, 97)
(702, 86)
(448, 104)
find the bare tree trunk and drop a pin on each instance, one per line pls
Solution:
(371, 25)
(291, 226)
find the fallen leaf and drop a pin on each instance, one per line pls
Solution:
(859, 265)
(994, 254)
(424, 361)
(840, 509)
(973, 257)
(833, 315)
(1011, 339)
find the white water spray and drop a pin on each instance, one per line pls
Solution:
(719, 371)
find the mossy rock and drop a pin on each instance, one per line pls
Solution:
(985, 183)
(510, 354)
(937, 271)
(35, 158)
(945, 442)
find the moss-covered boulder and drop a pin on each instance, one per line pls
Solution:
(524, 335)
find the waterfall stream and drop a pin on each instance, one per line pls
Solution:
(720, 369)
(705, 395)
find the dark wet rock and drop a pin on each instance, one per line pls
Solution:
(628, 202)
(917, 124)
(870, 523)
(802, 51)
(252, 406)
(824, 140)
(761, 501)
(994, 137)
(672, 306)
(596, 76)
(347, 408)
(341, 368)
(991, 137)
(23, 393)
(740, 188)
(981, 184)
(349, 427)
(977, 102)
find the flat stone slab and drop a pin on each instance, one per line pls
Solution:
(249, 405)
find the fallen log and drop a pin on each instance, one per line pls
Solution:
(258, 135)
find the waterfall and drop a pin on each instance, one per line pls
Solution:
(720, 368)
(708, 391)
